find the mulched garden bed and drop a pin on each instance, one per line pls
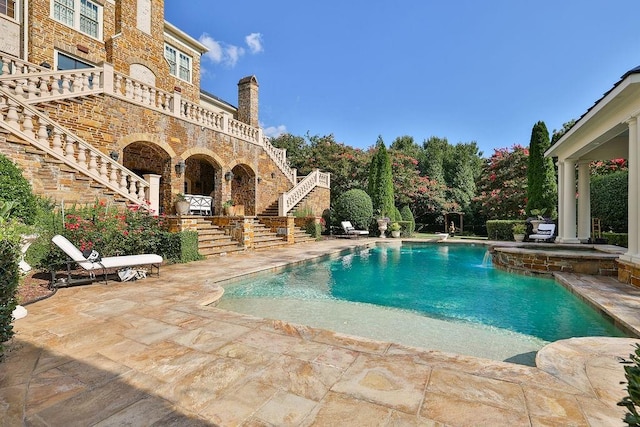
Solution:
(33, 286)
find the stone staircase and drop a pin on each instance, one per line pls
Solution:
(263, 237)
(212, 240)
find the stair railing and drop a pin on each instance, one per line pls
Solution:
(291, 198)
(45, 134)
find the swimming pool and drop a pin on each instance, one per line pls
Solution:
(447, 289)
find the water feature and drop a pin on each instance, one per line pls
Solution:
(445, 297)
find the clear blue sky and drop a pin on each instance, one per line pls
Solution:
(467, 70)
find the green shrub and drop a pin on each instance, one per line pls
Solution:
(313, 228)
(620, 239)
(188, 246)
(632, 400)
(14, 187)
(407, 216)
(501, 229)
(354, 205)
(9, 275)
(609, 200)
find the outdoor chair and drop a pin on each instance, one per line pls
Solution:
(351, 231)
(101, 264)
(545, 233)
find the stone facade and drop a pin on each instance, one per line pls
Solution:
(229, 162)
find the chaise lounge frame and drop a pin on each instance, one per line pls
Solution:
(76, 257)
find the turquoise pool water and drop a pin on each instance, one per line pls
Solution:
(447, 282)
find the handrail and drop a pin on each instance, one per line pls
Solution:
(37, 84)
(289, 199)
(45, 134)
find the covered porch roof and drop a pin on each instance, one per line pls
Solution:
(602, 133)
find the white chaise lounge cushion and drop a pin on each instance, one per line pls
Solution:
(106, 262)
(545, 232)
(349, 229)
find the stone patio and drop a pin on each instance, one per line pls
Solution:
(153, 353)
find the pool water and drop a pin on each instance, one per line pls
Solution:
(452, 285)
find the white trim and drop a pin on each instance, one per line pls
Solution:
(76, 17)
(16, 12)
(178, 52)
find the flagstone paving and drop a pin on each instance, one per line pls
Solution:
(153, 353)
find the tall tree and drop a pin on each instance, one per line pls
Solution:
(380, 186)
(502, 187)
(542, 188)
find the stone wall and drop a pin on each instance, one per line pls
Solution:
(52, 178)
(628, 273)
(152, 142)
(532, 262)
(123, 43)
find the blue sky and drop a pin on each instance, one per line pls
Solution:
(466, 70)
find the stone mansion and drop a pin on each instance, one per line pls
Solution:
(101, 99)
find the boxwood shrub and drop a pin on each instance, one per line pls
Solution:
(354, 205)
(14, 187)
(502, 229)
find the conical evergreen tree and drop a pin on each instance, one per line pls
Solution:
(541, 177)
(380, 186)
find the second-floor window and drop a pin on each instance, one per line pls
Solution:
(83, 15)
(179, 63)
(8, 7)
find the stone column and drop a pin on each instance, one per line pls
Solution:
(584, 201)
(568, 231)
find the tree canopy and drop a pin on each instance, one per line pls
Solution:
(542, 188)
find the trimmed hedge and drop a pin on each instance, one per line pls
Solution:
(620, 239)
(609, 200)
(189, 246)
(502, 229)
(407, 216)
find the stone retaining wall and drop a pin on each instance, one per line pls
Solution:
(532, 262)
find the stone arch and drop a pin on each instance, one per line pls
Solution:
(204, 175)
(243, 186)
(145, 154)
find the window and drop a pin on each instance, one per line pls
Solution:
(8, 7)
(83, 15)
(179, 63)
(66, 62)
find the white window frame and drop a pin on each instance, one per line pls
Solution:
(5, 6)
(176, 65)
(77, 16)
(57, 53)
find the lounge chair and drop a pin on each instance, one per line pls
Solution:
(152, 260)
(351, 231)
(545, 233)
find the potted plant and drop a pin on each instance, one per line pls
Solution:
(395, 229)
(182, 204)
(518, 231)
(227, 207)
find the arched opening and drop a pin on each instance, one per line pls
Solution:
(202, 178)
(143, 158)
(243, 189)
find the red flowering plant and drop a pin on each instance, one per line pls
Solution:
(110, 230)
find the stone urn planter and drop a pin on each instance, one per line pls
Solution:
(182, 207)
(382, 227)
(518, 237)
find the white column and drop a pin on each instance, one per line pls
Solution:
(634, 140)
(568, 231)
(584, 202)
(154, 193)
(560, 164)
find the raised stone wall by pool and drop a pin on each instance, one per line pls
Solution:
(600, 260)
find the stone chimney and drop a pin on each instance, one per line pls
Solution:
(248, 100)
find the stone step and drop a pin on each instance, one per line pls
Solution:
(220, 250)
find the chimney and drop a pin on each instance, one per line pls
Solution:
(248, 100)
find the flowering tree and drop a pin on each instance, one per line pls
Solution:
(502, 187)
